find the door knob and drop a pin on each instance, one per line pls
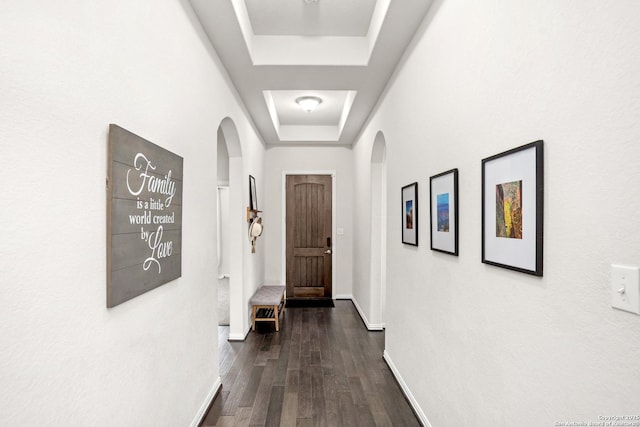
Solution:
(328, 251)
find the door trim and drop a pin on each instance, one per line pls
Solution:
(334, 242)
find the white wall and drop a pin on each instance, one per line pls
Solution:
(254, 263)
(223, 160)
(483, 346)
(291, 159)
(224, 238)
(68, 69)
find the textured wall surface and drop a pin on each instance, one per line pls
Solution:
(68, 69)
(483, 346)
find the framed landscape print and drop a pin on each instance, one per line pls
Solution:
(512, 209)
(443, 209)
(410, 214)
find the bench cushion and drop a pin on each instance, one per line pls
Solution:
(267, 295)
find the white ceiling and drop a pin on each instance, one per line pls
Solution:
(343, 51)
(325, 18)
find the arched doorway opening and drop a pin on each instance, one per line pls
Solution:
(378, 255)
(223, 251)
(230, 226)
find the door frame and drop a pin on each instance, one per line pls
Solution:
(334, 241)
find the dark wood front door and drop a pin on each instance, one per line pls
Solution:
(309, 236)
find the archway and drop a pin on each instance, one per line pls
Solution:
(231, 234)
(223, 241)
(378, 232)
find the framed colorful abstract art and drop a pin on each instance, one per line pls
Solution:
(443, 190)
(410, 214)
(512, 209)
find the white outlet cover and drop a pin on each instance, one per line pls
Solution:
(625, 288)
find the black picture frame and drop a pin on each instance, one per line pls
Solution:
(410, 214)
(253, 196)
(513, 209)
(443, 210)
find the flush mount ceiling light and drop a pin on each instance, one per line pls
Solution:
(310, 1)
(308, 103)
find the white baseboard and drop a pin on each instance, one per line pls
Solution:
(405, 389)
(240, 337)
(370, 326)
(202, 412)
(344, 297)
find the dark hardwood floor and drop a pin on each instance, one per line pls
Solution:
(322, 369)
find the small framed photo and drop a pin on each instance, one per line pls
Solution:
(512, 209)
(253, 196)
(410, 214)
(443, 190)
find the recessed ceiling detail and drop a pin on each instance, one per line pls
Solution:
(297, 18)
(330, 32)
(342, 51)
(324, 124)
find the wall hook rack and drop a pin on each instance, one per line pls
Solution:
(252, 213)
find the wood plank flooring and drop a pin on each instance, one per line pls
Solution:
(322, 369)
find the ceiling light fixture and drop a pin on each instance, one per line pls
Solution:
(310, 1)
(308, 103)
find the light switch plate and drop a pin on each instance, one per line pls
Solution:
(625, 288)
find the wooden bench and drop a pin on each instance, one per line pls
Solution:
(267, 305)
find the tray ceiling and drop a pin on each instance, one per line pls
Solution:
(343, 51)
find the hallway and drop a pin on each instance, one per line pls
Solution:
(322, 369)
(219, 94)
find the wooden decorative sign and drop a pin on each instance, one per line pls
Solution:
(144, 218)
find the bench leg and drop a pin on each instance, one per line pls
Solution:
(275, 313)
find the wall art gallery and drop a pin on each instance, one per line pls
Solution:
(512, 210)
